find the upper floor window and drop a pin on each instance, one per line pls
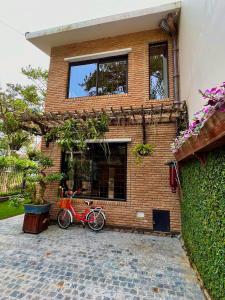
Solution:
(104, 76)
(159, 87)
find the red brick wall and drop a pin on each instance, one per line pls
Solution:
(148, 183)
(138, 72)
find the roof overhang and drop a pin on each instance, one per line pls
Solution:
(133, 21)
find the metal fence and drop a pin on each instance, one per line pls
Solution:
(10, 180)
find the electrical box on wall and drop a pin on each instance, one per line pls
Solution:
(161, 220)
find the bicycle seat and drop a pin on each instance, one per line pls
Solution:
(88, 202)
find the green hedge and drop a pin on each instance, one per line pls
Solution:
(203, 219)
(10, 193)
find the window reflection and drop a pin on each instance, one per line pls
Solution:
(99, 77)
(98, 173)
(82, 80)
(158, 71)
(112, 77)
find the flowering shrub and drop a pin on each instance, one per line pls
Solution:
(215, 101)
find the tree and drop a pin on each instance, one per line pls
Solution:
(16, 99)
(40, 175)
(73, 135)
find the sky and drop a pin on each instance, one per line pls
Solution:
(20, 16)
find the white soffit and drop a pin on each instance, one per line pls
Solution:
(98, 55)
(124, 23)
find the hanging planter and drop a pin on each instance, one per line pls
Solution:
(142, 150)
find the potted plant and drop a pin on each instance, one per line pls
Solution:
(142, 150)
(36, 217)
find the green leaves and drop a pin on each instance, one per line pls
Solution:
(41, 160)
(20, 164)
(17, 99)
(142, 150)
(37, 178)
(39, 78)
(75, 133)
(53, 177)
(203, 219)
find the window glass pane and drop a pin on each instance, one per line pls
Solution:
(99, 173)
(158, 71)
(112, 77)
(102, 77)
(82, 80)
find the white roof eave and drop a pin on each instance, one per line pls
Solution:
(124, 23)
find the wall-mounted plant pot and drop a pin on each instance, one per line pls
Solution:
(36, 218)
(211, 136)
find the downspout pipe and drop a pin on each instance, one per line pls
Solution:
(176, 75)
(170, 26)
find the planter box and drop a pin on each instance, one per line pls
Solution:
(35, 223)
(36, 218)
(211, 136)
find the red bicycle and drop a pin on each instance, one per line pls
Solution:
(93, 216)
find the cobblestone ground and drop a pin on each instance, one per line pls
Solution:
(80, 264)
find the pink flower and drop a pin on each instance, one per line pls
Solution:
(206, 109)
(216, 101)
(211, 91)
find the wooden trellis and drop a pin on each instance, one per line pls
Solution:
(41, 123)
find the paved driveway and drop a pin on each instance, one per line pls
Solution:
(80, 264)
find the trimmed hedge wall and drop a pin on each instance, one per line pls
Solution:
(203, 219)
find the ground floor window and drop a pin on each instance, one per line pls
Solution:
(98, 173)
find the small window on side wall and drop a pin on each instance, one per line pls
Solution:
(158, 65)
(98, 77)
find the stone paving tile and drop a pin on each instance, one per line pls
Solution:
(80, 264)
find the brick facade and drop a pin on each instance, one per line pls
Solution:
(148, 183)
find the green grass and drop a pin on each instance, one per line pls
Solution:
(7, 211)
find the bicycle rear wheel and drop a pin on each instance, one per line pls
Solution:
(96, 220)
(64, 218)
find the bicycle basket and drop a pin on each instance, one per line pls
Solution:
(64, 203)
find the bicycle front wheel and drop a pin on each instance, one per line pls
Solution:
(64, 218)
(96, 220)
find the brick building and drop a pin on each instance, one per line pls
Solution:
(112, 64)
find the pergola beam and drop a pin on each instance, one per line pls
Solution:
(164, 113)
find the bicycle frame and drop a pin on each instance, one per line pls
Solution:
(82, 217)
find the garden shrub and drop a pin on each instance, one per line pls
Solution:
(10, 193)
(203, 219)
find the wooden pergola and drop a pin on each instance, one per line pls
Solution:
(41, 123)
